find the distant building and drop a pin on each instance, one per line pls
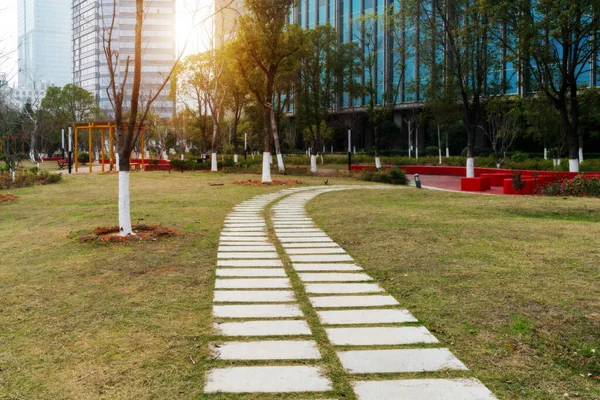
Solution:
(90, 71)
(226, 13)
(44, 34)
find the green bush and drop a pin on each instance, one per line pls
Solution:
(519, 156)
(46, 178)
(432, 150)
(394, 176)
(83, 158)
(580, 186)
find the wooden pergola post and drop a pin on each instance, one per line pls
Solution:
(102, 147)
(76, 149)
(90, 145)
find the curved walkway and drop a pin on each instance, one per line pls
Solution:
(314, 303)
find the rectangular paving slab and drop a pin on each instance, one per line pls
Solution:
(334, 277)
(267, 379)
(306, 239)
(379, 336)
(341, 288)
(257, 311)
(242, 230)
(402, 360)
(353, 301)
(253, 283)
(245, 224)
(316, 245)
(262, 255)
(251, 272)
(318, 250)
(301, 234)
(254, 296)
(263, 328)
(223, 248)
(321, 258)
(249, 263)
(351, 317)
(244, 243)
(422, 389)
(267, 350)
(244, 234)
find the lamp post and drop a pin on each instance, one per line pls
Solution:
(62, 147)
(70, 149)
(349, 148)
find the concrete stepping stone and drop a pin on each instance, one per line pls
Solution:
(250, 263)
(326, 267)
(263, 328)
(245, 234)
(306, 239)
(251, 272)
(352, 301)
(246, 248)
(342, 288)
(253, 283)
(268, 350)
(241, 254)
(318, 250)
(239, 230)
(254, 296)
(267, 379)
(334, 277)
(244, 243)
(256, 240)
(379, 336)
(403, 360)
(369, 316)
(292, 230)
(321, 258)
(422, 389)
(257, 311)
(317, 245)
(301, 234)
(245, 225)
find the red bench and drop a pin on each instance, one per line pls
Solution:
(480, 184)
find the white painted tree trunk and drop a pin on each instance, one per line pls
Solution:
(439, 144)
(580, 155)
(37, 166)
(377, 162)
(470, 167)
(213, 162)
(13, 175)
(554, 162)
(447, 152)
(417, 144)
(235, 158)
(266, 168)
(280, 164)
(574, 165)
(558, 161)
(165, 156)
(321, 159)
(354, 150)
(124, 205)
(181, 157)
(116, 161)
(545, 153)
(313, 164)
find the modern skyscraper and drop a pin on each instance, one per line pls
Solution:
(44, 34)
(91, 22)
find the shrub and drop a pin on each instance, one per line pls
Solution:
(432, 150)
(394, 176)
(519, 156)
(580, 186)
(46, 178)
(83, 158)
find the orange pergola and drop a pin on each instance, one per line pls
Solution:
(102, 127)
(14, 139)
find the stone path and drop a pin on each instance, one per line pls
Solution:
(259, 319)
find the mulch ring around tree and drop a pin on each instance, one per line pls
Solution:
(6, 198)
(274, 183)
(141, 233)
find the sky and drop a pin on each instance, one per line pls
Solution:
(188, 23)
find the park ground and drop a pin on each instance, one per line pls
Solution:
(509, 284)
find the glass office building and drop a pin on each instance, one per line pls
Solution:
(91, 20)
(44, 47)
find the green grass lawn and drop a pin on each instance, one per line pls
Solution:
(510, 284)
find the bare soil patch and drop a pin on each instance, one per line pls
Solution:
(142, 233)
(274, 183)
(7, 197)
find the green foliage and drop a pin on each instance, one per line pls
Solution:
(580, 186)
(394, 176)
(519, 156)
(28, 178)
(83, 158)
(432, 150)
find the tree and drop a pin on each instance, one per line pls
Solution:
(264, 42)
(503, 126)
(130, 112)
(322, 61)
(545, 123)
(472, 64)
(555, 45)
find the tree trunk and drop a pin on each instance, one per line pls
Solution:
(266, 170)
(447, 145)
(471, 129)
(376, 145)
(580, 149)
(280, 164)
(439, 144)
(573, 146)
